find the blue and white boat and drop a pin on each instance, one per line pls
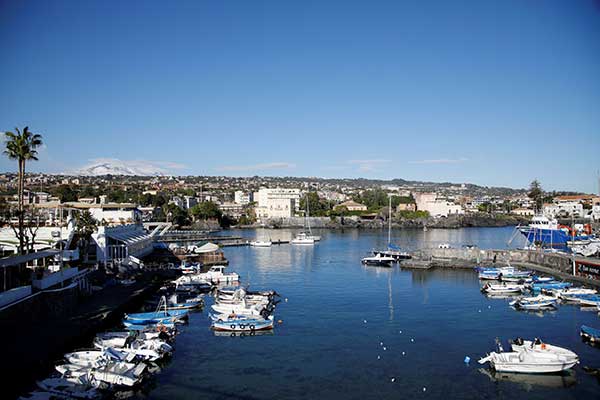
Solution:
(158, 327)
(161, 315)
(539, 302)
(589, 333)
(549, 233)
(241, 324)
(537, 287)
(587, 300)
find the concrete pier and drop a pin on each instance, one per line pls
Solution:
(564, 266)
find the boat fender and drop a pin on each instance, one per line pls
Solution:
(232, 326)
(242, 326)
(252, 327)
(543, 345)
(219, 320)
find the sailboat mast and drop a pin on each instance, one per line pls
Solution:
(390, 221)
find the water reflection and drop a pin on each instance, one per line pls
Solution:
(530, 381)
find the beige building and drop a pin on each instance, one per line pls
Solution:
(437, 207)
(353, 206)
(276, 203)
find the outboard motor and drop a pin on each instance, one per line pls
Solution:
(519, 341)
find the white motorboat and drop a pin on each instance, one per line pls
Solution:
(261, 243)
(303, 239)
(502, 288)
(95, 358)
(217, 274)
(238, 309)
(529, 362)
(379, 260)
(537, 345)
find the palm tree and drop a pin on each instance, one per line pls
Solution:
(22, 146)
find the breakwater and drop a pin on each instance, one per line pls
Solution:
(562, 265)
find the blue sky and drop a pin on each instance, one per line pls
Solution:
(494, 93)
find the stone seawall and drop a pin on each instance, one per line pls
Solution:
(560, 265)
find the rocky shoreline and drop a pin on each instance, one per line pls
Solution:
(450, 222)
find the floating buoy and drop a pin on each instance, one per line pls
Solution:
(403, 353)
(381, 343)
(479, 311)
(489, 307)
(424, 389)
(280, 321)
(412, 340)
(385, 348)
(393, 379)
(467, 359)
(365, 321)
(379, 357)
(286, 299)
(399, 331)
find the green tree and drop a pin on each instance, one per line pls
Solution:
(22, 146)
(85, 227)
(175, 215)
(66, 193)
(536, 194)
(317, 207)
(206, 210)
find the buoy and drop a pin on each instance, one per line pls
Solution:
(280, 321)
(467, 359)
(489, 307)
(399, 331)
(403, 353)
(381, 343)
(412, 340)
(393, 379)
(385, 348)
(379, 357)
(286, 299)
(365, 321)
(424, 389)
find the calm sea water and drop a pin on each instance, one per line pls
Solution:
(355, 332)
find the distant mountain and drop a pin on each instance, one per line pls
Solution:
(104, 167)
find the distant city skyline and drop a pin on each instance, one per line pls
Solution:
(490, 93)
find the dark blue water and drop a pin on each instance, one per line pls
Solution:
(428, 321)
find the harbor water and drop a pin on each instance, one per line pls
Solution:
(349, 331)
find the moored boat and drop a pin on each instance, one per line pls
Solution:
(539, 302)
(529, 362)
(537, 345)
(590, 334)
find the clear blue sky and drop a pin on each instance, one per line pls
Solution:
(494, 93)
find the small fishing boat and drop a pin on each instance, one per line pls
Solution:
(94, 358)
(537, 345)
(588, 300)
(590, 334)
(216, 274)
(379, 260)
(241, 309)
(529, 362)
(235, 323)
(537, 287)
(158, 326)
(571, 294)
(502, 288)
(161, 315)
(118, 373)
(539, 302)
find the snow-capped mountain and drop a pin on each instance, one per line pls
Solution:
(131, 168)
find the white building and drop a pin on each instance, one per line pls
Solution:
(436, 207)
(233, 210)
(563, 209)
(276, 203)
(243, 198)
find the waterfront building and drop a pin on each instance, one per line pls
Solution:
(437, 207)
(406, 207)
(276, 203)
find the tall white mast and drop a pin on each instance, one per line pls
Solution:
(390, 221)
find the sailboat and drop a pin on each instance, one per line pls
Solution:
(392, 250)
(306, 237)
